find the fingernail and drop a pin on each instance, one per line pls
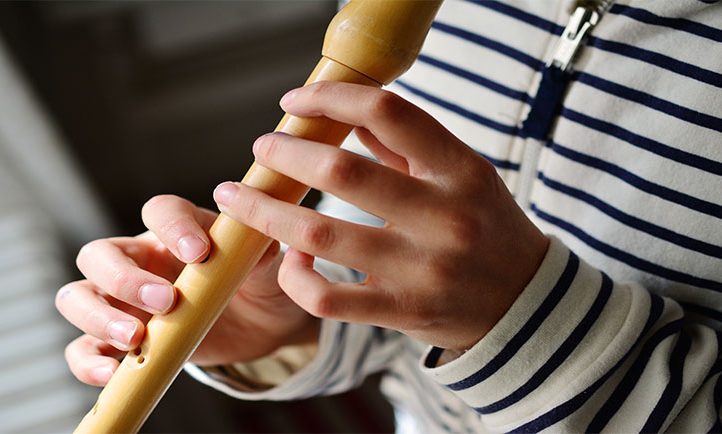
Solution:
(288, 97)
(156, 296)
(258, 143)
(121, 332)
(225, 192)
(102, 374)
(191, 247)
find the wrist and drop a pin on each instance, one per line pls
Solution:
(308, 333)
(505, 295)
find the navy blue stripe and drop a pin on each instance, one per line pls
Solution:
(450, 411)
(565, 409)
(520, 15)
(680, 24)
(481, 120)
(653, 102)
(560, 355)
(628, 258)
(630, 379)
(432, 359)
(653, 146)
(491, 44)
(657, 231)
(660, 60)
(527, 330)
(626, 50)
(476, 78)
(671, 393)
(702, 310)
(489, 123)
(693, 203)
(379, 334)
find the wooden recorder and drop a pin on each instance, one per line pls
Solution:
(369, 42)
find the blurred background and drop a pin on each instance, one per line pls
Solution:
(102, 106)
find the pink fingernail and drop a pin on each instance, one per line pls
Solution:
(121, 332)
(260, 141)
(225, 193)
(102, 374)
(191, 248)
(288, 97)
(156, 296)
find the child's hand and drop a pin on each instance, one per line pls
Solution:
(130, 278)
(455, 251)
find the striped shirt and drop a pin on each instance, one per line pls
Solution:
(618, 329)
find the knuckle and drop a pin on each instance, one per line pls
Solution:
(251, 209)
(484, 173)
(463, 228)
(319, 89)
(387, 105)
(172, 228)
(343, 171)
(416, 312)
(442, 272)
(317, 235)
(421, 318)
(120, 279)
(442, 268)
(320, 303)
(96, 323)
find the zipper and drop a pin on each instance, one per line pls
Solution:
(555, 79)
(585, 17)
(558, 71)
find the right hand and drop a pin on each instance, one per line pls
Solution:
(129, 278)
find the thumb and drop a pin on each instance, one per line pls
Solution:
(267, 268)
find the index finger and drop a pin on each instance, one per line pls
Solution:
(401, 126)
(180, 225)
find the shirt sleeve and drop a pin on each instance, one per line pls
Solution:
(580, 352)
(345, 356)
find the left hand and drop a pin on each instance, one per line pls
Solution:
(455, 250)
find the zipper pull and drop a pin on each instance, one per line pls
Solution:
(557, 74)
(580, 24)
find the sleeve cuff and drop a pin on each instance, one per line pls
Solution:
(548, 341)
(288, 373)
